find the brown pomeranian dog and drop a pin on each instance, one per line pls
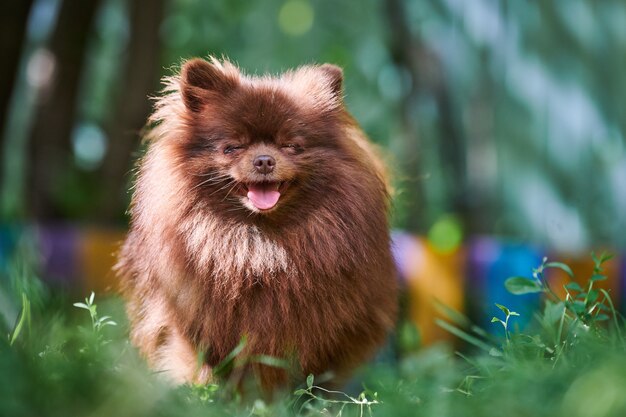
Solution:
(259, 211)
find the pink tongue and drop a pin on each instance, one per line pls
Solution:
(264, 197)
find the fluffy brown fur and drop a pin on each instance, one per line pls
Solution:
(310, 278)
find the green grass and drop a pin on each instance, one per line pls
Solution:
(60, 357)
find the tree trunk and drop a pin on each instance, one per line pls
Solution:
(49, 149)
(13, 21)
(410, 52)
(140, 79)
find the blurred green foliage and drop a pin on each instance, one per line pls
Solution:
(572, 362)
(507, 116)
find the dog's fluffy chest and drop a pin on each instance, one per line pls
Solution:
(236, 251)
(248, 252)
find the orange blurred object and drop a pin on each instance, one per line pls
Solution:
(97, 250)
(431, 276)
(582, 266)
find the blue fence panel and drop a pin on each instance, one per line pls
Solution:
(490, 263)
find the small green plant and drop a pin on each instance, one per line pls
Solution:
(205, 393)
(572, 334)
(336, 399)
(584, 308)
(505, 323)
(584, 305)
(97, 323)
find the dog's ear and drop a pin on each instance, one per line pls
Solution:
(334, 76)
(201, 79)
(317, 86)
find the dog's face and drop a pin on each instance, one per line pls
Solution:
(257, 144)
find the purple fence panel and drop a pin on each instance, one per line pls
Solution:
(59, 254)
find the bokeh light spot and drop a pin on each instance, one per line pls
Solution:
(393, 82)
(446, 234)
(296, 17)
(89, 144)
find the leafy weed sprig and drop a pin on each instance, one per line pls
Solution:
(505, 323)
(582, 304)
(97, 323)
(340, 399)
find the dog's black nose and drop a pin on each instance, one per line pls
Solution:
(264, 164)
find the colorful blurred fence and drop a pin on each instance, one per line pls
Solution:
(76, 259)
(469, 279)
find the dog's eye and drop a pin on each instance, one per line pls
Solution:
(232, 148)
(292, 148)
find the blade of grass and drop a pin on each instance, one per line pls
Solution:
(617, 326)
(225, 364)
(463, 335)
(453, 315)
(24, 318)
(270, 361)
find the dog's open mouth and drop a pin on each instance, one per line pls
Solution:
(265, 195)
